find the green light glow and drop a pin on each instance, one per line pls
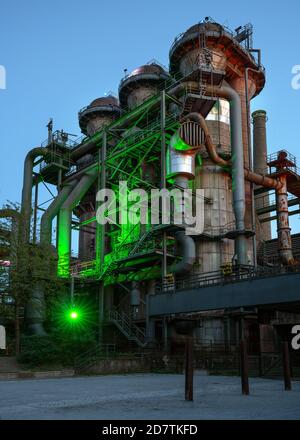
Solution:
(64, 244)
(74, 315)
(178, 144)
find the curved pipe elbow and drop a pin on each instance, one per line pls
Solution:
(52, 211)
(188, 247)
(211, 149)
(27, 186)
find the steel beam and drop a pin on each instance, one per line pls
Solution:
(275, 290)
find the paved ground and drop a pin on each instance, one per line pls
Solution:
(146, 396)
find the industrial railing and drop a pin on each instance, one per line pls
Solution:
(123, 321)
(242, 273)
(61, 138)
(289, 157)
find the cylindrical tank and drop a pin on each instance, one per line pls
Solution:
(182, 150)
(192, 49)
(140, 84)
(209, 53)
(99, 113)
(212, 250)
(218, 122)
(259, 118)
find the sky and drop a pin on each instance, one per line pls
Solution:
(60, 55)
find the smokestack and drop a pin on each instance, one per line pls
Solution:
(259, 118)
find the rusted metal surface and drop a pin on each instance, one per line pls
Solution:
(265, 181)
(284, 230)
(282, 165)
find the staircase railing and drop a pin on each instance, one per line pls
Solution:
(127, 327)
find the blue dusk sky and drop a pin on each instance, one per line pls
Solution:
(60, 55)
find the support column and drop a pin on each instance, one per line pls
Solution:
(189, 368)
(286, 366)
(283, 226)
(150, 322)
(244, 368)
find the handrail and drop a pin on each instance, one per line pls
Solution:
(217, 278)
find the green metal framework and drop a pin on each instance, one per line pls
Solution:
(134, 138)
(138, 136)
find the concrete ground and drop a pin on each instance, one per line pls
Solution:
(146, 396)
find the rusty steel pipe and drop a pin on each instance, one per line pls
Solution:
(283, 227)
(211, 149)
(265, 181)
(258, 179)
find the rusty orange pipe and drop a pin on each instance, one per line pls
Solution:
(211, 149)
(258, 179)
(283, 227)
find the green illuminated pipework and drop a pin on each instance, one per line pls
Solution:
(64, 241)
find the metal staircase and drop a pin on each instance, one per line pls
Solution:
(123, 322)
(113, 265)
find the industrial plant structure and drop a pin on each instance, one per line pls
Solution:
(189, 127)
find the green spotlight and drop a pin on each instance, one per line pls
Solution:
(74, 315)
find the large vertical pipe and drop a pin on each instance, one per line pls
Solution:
(239, 85)
(259, 118)
(65, 217)
(163, 170)
(27, 188)
(35, 209)
(52, 211)
(250, 158)
(35, 303)
(238, 181)
(35, 307)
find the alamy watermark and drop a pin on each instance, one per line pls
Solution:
(296, 77)
(2, 338)
(181, 207)
(2, 78)
(295, 342)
